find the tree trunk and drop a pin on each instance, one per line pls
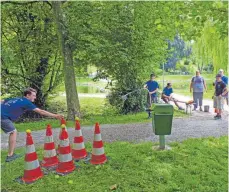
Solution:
(73, 105)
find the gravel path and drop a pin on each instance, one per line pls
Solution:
(200, 124)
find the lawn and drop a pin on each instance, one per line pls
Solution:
(90, 120)
(195, 165)
(181, 84)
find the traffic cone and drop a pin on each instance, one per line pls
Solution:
(32, 170)
(65, 164)
(98, 154)
(78, 148)
(62, 122)
(50, 159)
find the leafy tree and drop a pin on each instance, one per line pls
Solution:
(177, 50)
(29, 51)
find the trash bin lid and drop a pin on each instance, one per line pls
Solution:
(162, 108)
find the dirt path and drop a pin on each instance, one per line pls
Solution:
(200, 124)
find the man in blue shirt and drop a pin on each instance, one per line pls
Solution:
(152, 87)
(12, 109)
(166, 95)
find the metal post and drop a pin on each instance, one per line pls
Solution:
(163, 75)
(162, 141)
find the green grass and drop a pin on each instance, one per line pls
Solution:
(181, 84)
(207, 95)
(186, 77)
(195, 165)
(91, 120)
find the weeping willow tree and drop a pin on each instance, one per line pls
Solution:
(212, 47)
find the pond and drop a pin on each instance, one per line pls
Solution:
(90, 89)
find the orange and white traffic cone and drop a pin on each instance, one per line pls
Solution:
(98, 154)
(78, 148)
(62, 122)
(32, 170)
(50, 159)
(65, 164)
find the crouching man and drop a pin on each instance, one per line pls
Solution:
(11, 110)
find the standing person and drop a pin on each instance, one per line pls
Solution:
(198, 85)
(166, 95)
(225, 80)
(12, 109)
(152, 87)
(220, 91)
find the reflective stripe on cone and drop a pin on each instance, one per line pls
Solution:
(32, 165)
(49, 153)
(97, 137)
(30, 149)
(78, 146)
(98, 151)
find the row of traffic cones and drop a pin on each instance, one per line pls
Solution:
(64, 162)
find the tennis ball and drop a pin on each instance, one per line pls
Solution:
(77, 118)
(70, 182)
(28, 131)
(57, 176)
(63, 126)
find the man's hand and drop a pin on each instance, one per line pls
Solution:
(58, 116)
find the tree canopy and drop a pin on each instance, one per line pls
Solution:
(125, 40)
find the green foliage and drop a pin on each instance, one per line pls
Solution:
(125, 41)
(29, 51)
(193, 165)
(211, 47)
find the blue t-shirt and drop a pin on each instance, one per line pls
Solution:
(198, 84)
(168, 91)
(13, 108)
(225, 80)
(152, 86)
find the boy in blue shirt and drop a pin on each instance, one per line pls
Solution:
(166, 95)
(12, 109)
(152, 87)
(225, 80)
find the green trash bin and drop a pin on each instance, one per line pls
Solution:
(162, 117)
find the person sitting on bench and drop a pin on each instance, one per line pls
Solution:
(166, 95)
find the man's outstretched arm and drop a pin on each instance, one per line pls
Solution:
(46, 113)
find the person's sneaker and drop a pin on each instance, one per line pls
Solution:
(194, 109)
(217, 117)
(201, 109)
(12, 157)
(180, 108)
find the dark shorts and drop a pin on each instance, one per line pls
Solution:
(7, 126)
